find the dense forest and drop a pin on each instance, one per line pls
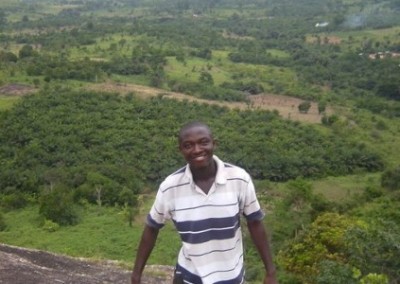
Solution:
(330, 187)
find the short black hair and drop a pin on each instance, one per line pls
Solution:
(191, 124)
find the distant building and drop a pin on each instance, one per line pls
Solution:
(321, 25)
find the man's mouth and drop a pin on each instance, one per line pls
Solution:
(199, 158)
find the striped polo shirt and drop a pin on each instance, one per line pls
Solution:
(208, 224)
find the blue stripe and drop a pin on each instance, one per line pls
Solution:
(188, 276)
(228, 165)
(152, 223)
(212, 234)
(258, 215)
(211, 223)
(174, 186)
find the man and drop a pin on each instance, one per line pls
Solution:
(205, 200)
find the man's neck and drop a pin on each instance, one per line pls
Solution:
(206, 173)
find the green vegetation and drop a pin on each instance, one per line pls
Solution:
(79, 169)
(102, 233)
(7, 102)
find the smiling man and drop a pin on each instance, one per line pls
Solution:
(205, 200)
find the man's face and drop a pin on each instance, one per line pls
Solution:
(197, 145)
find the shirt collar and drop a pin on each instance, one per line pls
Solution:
(221, 172)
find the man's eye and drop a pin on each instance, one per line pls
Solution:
(187, 146)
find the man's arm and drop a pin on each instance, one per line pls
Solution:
(147, 242)
(260, 240)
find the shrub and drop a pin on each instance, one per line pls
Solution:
(304, 107)
(57, 206)
(373, 278)
(14, 200)
(3, 224)
(50, 226)
(391, 179)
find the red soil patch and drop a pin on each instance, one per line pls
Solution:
(325, 40)
(16, 90)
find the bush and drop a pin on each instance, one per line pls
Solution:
(50, 226)
(391, 179)
(335, 272)
(329, 119)
(3, 224)
(304, 107)
(14, 200)
(58, 206)
(373, 278)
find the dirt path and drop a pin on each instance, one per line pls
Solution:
(28, 266)
(16, 90)
(285, 105)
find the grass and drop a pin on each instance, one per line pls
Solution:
(102, 234)
(345, 187)
(6, 102)
(278, 53)
(190, 70)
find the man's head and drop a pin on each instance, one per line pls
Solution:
(197, 144)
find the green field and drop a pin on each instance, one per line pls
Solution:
(103, 233)
(6, 102)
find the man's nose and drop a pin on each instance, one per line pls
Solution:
(197, 148)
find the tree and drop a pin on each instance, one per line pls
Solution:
(329, 119)
(321, 106)
(300, 194)
(304, 107)
(3, 224)
(57, 205)
(206, 78)
(7, 56)
(324, 241)
(26, 51)
(390, 179)
(3, 18)
(375, 249)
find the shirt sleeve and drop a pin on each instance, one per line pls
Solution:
(159, 212)
(250, 206)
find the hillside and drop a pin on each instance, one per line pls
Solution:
(302, 94)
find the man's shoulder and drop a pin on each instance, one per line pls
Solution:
(177, 178)
(235, 171)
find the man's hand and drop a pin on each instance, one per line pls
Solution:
(146, 245)
(270, 278)
(135, 279)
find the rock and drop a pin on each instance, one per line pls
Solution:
(21, 265)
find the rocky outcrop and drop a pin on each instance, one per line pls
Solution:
(28, 266)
